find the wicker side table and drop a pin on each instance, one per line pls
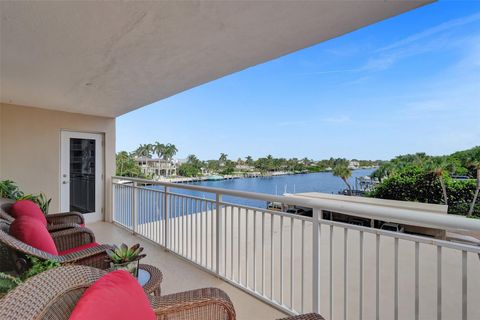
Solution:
(150, 279)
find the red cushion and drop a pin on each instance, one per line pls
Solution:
(27, 208)
(33, 233)
(76, 249)
(117, 295)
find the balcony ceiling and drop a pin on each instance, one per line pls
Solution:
(109, 58)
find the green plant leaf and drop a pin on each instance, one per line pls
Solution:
(124, 254)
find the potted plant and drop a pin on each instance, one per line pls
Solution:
(9, 190)
(125, 258)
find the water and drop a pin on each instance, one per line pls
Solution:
(149, 203)
(324, 182)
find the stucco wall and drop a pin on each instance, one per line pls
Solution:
(30, 148)
(1, 124)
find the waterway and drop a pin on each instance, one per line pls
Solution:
(149, 202)
(324, 182)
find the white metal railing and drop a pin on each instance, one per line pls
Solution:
(301, 264)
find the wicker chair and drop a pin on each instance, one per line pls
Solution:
(64, 240)
(53, 295)
(56, 221)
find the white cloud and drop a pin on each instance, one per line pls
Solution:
(428, 40)
(446, 26)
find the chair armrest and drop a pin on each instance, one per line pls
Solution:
(48, 294)
(65, 217)
(72, 238)
(94, 257)
(207, 303)
(59, 227)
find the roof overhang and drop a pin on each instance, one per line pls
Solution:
(109, 58)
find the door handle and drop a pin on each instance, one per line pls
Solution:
(64, 182)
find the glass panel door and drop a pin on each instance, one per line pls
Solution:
(82, 175)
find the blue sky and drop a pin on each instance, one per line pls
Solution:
(408, 84)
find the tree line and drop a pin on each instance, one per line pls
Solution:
(163, 151)
(453, 180)
(126, 162)
(193, 166)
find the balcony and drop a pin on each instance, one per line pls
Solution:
(296, 264)
(180, 275)
(271, 263)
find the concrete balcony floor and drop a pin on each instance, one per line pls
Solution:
(179, 275)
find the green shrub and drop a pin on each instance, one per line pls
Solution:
(420, 185)
(188, 170)
(38, 266)
(9, 190)
(9, 282)
(127, 166)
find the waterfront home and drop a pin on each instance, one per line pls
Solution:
(68, 69)
(244, 167)
(157, 167)
(353, 164)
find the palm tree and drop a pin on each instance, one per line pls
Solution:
(269, 163)
(341, 170)
(384, 171)
(223, 158)
(440, 169)
(150, 149)
(476, 165)
(159, 149)
(121, 158)
(261, 164)
(144, 150)
(126, 165)
(439, 172)
(249, 160)
(420, 158)
(192, 159)
(212, 165)
(170, 150)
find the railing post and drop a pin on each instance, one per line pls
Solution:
(111, 217)
(218, 231)
(134, 208)
(317, 213)
(166, 211)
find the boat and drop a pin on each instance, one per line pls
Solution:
(275, 206)
(215, 178)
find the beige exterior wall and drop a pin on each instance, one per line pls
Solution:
(30, 148)
(1, 126)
